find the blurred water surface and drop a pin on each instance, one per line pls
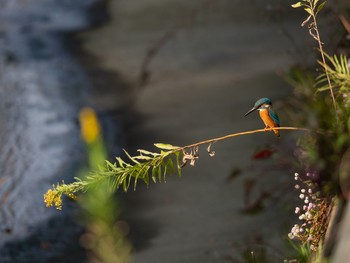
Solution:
(41, 93)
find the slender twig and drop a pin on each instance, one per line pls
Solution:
(313, 7)
(237, 134)
(318, 39)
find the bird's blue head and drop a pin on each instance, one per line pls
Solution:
(259, 103)
(262, 101)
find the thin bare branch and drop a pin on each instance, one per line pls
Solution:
(238, 134)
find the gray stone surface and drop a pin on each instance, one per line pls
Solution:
(214, 62)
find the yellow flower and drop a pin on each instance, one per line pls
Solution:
(48, 198)
(90, 127)
(52, 197)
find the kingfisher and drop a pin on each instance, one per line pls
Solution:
(267, 114)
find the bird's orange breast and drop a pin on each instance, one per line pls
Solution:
(265, 116)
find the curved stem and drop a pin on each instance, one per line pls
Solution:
(237, 134)
(312, 8)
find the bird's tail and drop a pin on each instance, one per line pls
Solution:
(277, 132)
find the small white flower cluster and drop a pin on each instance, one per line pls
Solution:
(295, 231)
(306, 211)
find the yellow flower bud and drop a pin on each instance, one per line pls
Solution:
(90, 127)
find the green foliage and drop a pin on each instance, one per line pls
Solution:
(104, 236)
(313, 7)
(319, 152)
(339, 74)
(122, 173)
(303, 252)
(145, 167)
(104, 233)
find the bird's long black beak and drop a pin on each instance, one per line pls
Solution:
(249, 112)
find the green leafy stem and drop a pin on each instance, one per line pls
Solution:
(338, 72)
(313, 7)
(145, 166)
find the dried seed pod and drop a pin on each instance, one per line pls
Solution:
(211, 153)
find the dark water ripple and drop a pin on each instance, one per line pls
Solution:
(41, 88)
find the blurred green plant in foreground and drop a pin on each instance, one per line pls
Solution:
(104, 236)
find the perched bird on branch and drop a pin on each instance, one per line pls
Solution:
(267, 114)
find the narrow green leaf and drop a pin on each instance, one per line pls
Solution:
(111, 165)
(154, 173)
(323, 88)
(159, 173)
(129, 179)
(308, 9)
(344, 63)
(125, 186)
(120, 179)
(154, 179)
(113, 183)
(142, 174)
(315, 2)
(146, 175)
(130, 157)
(137, 174)
(142, 157)
(165, 146)
(320, 7)
(107, 173)
(146, 180)
(170, 163)
(336, 63)
(147, 152)
(165, 171)
(179, 171)
(298, 4)
(328, 56)
(154, 176)
(121, 162)
(126, 174)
